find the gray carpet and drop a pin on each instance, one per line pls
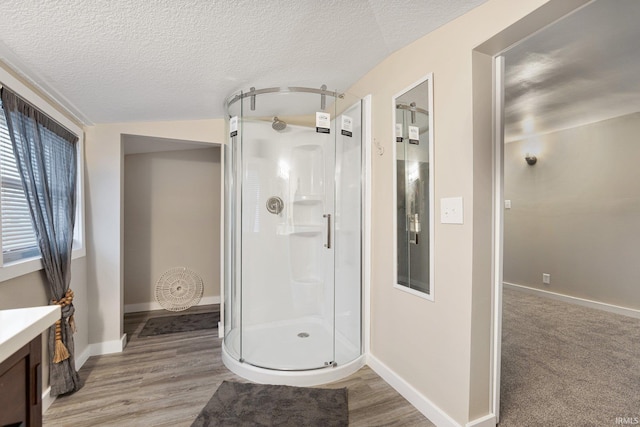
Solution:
(248, 404)
(180, 323)
(567, 365)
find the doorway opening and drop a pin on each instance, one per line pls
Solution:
(171, 216)
(566, 207)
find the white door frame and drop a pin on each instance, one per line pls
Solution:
(498, 225)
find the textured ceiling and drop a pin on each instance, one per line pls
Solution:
(584, 68)
(135, 60)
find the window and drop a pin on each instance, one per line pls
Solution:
(18, 237)
(18, 246)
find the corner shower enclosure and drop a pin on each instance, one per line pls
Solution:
(293, 235)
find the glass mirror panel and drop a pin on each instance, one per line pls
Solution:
(414, 189)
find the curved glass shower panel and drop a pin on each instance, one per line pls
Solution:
(294, 238)
(287, 270)
(232, 261)
(348, 231)
(287, 261)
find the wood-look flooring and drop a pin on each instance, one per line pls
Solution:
(166, 381)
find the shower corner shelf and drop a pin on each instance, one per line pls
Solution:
(308, 199)
(306, 230)
(308, 147)
(309, 230)
(307, 282)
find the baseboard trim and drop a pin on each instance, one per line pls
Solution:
(154, 305)
(108, 347)
(486, 421)
(47, 400)
(625, 311)
(419, 401)
(83, 357)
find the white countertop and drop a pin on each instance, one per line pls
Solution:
(19, 326)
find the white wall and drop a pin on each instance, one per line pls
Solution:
(105, 212)
(171, 219)
(575, 214)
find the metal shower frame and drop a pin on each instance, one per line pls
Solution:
(253, 92)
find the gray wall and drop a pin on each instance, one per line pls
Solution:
(576, 213)
(171, 219)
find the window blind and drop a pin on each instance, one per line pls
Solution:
(18, 237)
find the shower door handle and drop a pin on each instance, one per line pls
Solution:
(328, 243)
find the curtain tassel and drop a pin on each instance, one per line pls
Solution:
(60, 352)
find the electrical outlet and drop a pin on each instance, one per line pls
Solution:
(546, 278)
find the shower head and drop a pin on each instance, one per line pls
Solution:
(278, 124)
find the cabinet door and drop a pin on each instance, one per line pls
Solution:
(20, 387)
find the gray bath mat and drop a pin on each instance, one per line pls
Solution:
(246, 404)
(180, 323)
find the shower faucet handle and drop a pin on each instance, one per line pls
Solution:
(275, 205)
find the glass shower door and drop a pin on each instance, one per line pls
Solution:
(287, 249)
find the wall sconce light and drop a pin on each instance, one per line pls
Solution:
(531, 160)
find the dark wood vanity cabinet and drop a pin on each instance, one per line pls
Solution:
(20, 387)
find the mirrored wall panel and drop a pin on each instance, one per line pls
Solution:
(414, 188)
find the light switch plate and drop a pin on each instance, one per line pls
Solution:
(451, 211)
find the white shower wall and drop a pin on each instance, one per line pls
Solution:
(283, 269)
